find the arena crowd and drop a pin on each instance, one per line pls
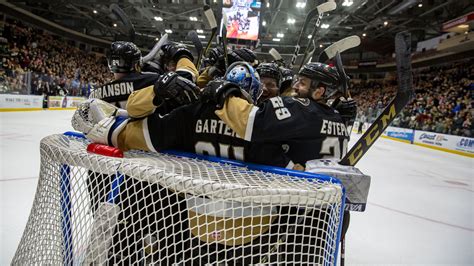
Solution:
(443, 102)
(56, 66)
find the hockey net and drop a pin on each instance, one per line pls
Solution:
(169, 209)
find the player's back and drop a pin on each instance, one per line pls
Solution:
(323, 135)
(196, 128)
(306, 129)
(117, 91)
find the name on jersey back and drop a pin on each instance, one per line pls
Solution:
(334, 128)
(117, 89)
(213, 126)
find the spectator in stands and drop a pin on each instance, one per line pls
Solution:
(56, 62)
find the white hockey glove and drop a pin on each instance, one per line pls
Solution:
(356, 183)
(100, 121)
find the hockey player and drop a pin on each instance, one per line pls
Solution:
(199, 129)
(286, 84)
(124, 62)
(217, 70)
(306, 126)
(270, 76)
(194, 128)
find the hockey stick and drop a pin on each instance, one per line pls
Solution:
(117, 11)
(163, 40)
(329, 6)
(212, 22)
(224, 39)
(277, 57)
(404, 94)
(324, 7)
(193, 37)
(339, 46)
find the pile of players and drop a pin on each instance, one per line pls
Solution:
(260, 113)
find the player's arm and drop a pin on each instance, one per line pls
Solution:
(183, 58)
(273, 120)
(204, 78)
(154, 132)
(104, 123)
(169, 92)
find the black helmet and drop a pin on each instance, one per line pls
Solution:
(215, 54)
(286, 78)
(270, 70)
(321, 73)
(123, 57)
(245, 55)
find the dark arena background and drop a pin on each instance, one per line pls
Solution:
(383, 89)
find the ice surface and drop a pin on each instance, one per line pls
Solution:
(420, 207)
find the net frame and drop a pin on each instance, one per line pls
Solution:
(69, 150)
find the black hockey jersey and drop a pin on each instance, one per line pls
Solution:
(117, 91)
(196, 128)
(305, 128)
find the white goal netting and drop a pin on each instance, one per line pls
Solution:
(163, 209)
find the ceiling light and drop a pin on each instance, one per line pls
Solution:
(154, 6)
(300, 5)
(363, 34)
(320, 46)
(463, 26)
(199, 31)
(291, 21)
(193, 18)
(157, 39)
(264, 23)
(158, 18)
(276, 39)
(280, 35)
(420, 5)
(202, 36)
(268, 4)
(168, 31)
(310, 36)
(94, 11)
(385, 23)
(347, 3)
(324, 26)
(115, 24)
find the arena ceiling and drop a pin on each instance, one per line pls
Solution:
(375, 21)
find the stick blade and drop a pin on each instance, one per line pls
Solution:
(326, 7)
(275, 54)
(210, 16)
(339, 46)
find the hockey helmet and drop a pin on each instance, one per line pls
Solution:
(270, 70)
(321, 75)
(123, 57)
(243, 54)
(286, 78)
(244, 75)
